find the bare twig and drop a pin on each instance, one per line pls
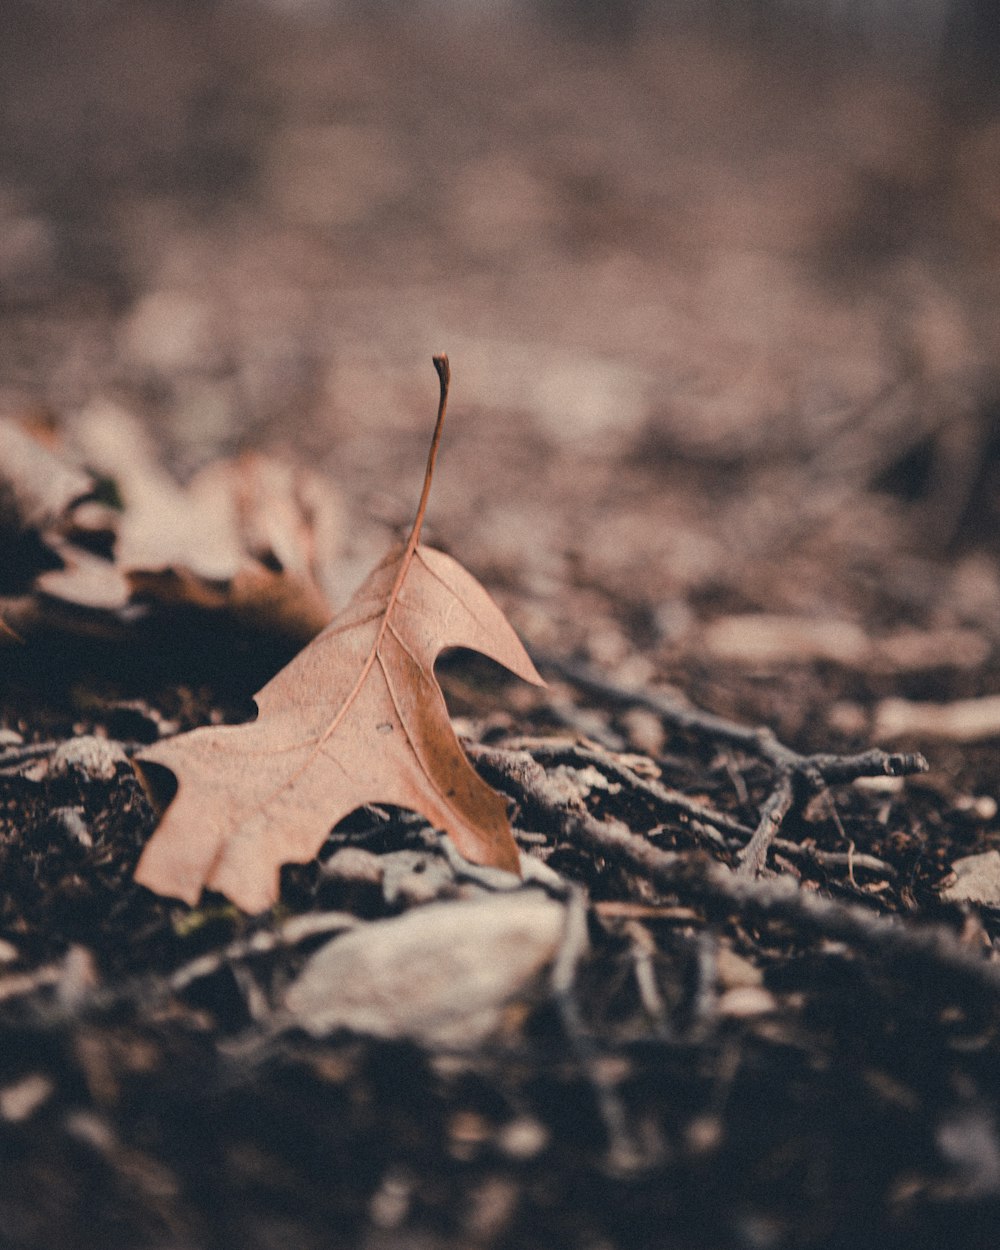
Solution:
(695, 877)
(616, 769)
(11, 758)
(754, 855)
(831, 859)
(759, 741)
(798, 776)
(625, 1155)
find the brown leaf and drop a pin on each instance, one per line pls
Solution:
(251, 537)
(355, 718)
(37, 486)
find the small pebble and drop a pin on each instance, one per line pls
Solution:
(746, 1001)
(522, 1139)
(22, 1099)
(71, 822)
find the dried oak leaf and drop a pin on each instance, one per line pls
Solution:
(251, 537)
(357, 717)
(37, 487)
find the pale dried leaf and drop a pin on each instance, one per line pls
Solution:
(977, 879)
(964, 720)
(37, 486)
(253, 536)
(424, 975)
(768, 639)
(355, 718)
(761, 638)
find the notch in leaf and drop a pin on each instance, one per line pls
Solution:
(357, 717)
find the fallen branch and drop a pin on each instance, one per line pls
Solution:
(615, 768)
(798, 777)
(694, 877)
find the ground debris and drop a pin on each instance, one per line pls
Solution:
(728, 344)
(443, 975)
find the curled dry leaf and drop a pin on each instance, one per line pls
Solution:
(251, 537)
(37, 486)
(357, 717)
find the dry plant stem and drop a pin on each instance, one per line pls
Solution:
(834, 859)
(671, 800)
(296, 930)
(694, 877)
(798, 774)
(702, 821)
(643, 950)
(624, 1154)
(754, 855)
(759, 741)
(12, 757)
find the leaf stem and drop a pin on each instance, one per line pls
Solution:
(444, 377)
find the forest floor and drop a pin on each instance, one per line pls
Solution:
(723, 321)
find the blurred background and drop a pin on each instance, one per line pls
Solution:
(720, 284)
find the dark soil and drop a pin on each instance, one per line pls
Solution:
(722, 317)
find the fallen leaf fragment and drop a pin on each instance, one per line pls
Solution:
(762, 638)
(252, 536)
(20, 1100)
(965, 720)
(423, 976)
(36, 485)
(357, 717)
(977, 879)
(765, 639)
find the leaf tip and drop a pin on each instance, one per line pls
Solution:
(443, 367)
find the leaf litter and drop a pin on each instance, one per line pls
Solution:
(414, 950)
(475, 1029)
(251, 539)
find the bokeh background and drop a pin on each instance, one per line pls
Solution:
(720, 284)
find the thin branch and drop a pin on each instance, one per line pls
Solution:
(693, 876)
(754, 855)
(798, 775)
(666, 800)
(759, 741)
